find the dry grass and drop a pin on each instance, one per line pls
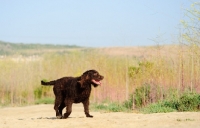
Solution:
(146, 52)
(22, 74)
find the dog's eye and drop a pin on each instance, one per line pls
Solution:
(95, 74)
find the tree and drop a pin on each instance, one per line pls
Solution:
(191, 36)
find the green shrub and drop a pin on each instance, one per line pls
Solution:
(109, 107)
(100, 106)
(41, 91)
(45, 101)
(128, 104)
(141, 95)
(174, 104)
(157, 108)
(115, 107)
(38, 93)
(189, 102)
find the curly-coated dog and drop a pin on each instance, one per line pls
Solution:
(69, 90)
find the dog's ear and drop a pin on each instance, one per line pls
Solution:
(84, 77)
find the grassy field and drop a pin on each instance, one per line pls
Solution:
(144, 75)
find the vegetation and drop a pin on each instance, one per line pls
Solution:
(45, 101)
(187, 102)
(163, 82)
(20, 83)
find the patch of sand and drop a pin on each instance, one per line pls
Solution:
(43, 116)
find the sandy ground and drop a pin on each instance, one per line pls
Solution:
(43, 116)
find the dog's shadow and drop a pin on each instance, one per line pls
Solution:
(40, 118)
(54, 118)
(49, 118)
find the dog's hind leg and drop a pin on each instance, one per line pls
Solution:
(56, 107)
(58, 115)
(68, 108)
(60, 108)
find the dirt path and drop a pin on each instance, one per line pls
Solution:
(43, 116)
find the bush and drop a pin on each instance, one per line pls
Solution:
(128, 104)
(100, 106)
(157, 108)
(110, 107)
(115, 107)
(38, 93)
(189, 102)
(142, 95)
(174, 104)
(42, 91)
(45, 101)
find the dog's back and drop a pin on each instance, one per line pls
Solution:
(60, 81)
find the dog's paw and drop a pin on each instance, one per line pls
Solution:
(59, 117)
(90, 116)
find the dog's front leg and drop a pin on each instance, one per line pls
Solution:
(86, 108)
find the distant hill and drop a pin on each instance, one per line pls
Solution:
(33, 46)
(170, 51)
(7, 48)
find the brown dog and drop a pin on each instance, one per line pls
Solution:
(69, 90)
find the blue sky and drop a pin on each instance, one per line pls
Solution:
(91, 23)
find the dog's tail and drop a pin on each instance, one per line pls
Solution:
(47, 83)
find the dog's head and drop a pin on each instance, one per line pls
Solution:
(91, 77)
